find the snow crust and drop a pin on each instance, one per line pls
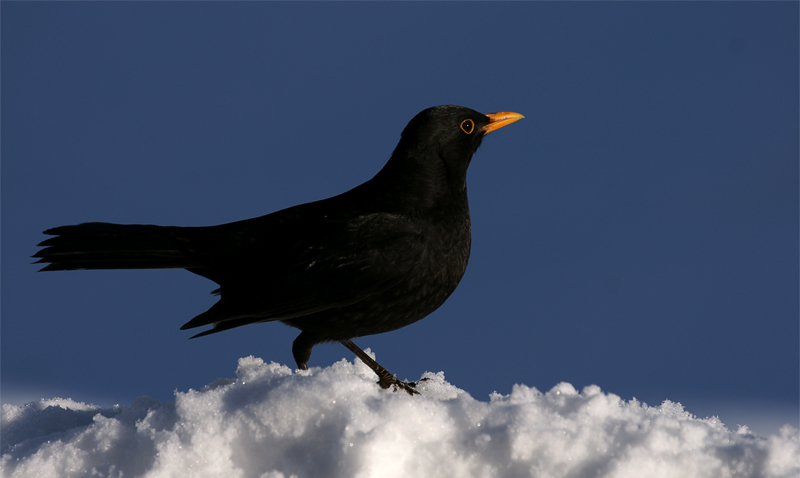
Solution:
(272, 422)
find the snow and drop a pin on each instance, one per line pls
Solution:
(272, 422)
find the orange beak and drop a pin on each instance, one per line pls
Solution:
(498, 120)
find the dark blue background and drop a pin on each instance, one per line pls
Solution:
(638, 230)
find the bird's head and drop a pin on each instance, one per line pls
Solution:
(452, 132)
(437, 145)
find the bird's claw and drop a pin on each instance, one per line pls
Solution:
(409, 387)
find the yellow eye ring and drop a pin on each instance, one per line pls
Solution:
(467, 126)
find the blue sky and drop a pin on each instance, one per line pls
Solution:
(638, 230)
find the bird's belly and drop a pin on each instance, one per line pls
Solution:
(402, 305)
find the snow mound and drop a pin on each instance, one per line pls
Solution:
(271, 422)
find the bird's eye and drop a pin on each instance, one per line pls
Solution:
(467, 126)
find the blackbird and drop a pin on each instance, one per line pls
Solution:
(376, 258)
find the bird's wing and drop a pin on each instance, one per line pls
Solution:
(328, 265)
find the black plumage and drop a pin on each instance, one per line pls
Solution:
(376, 258)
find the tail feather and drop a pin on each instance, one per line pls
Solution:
(116, 246)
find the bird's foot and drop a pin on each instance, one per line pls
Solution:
(408, 387)
(385, 378)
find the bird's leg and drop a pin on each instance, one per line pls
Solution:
(386, 379)
(301, 348)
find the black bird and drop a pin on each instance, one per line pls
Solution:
(374, 259)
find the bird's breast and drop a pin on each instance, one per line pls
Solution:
(426, 265)
(431, 280)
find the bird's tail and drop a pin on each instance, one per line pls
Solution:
(100, 245)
